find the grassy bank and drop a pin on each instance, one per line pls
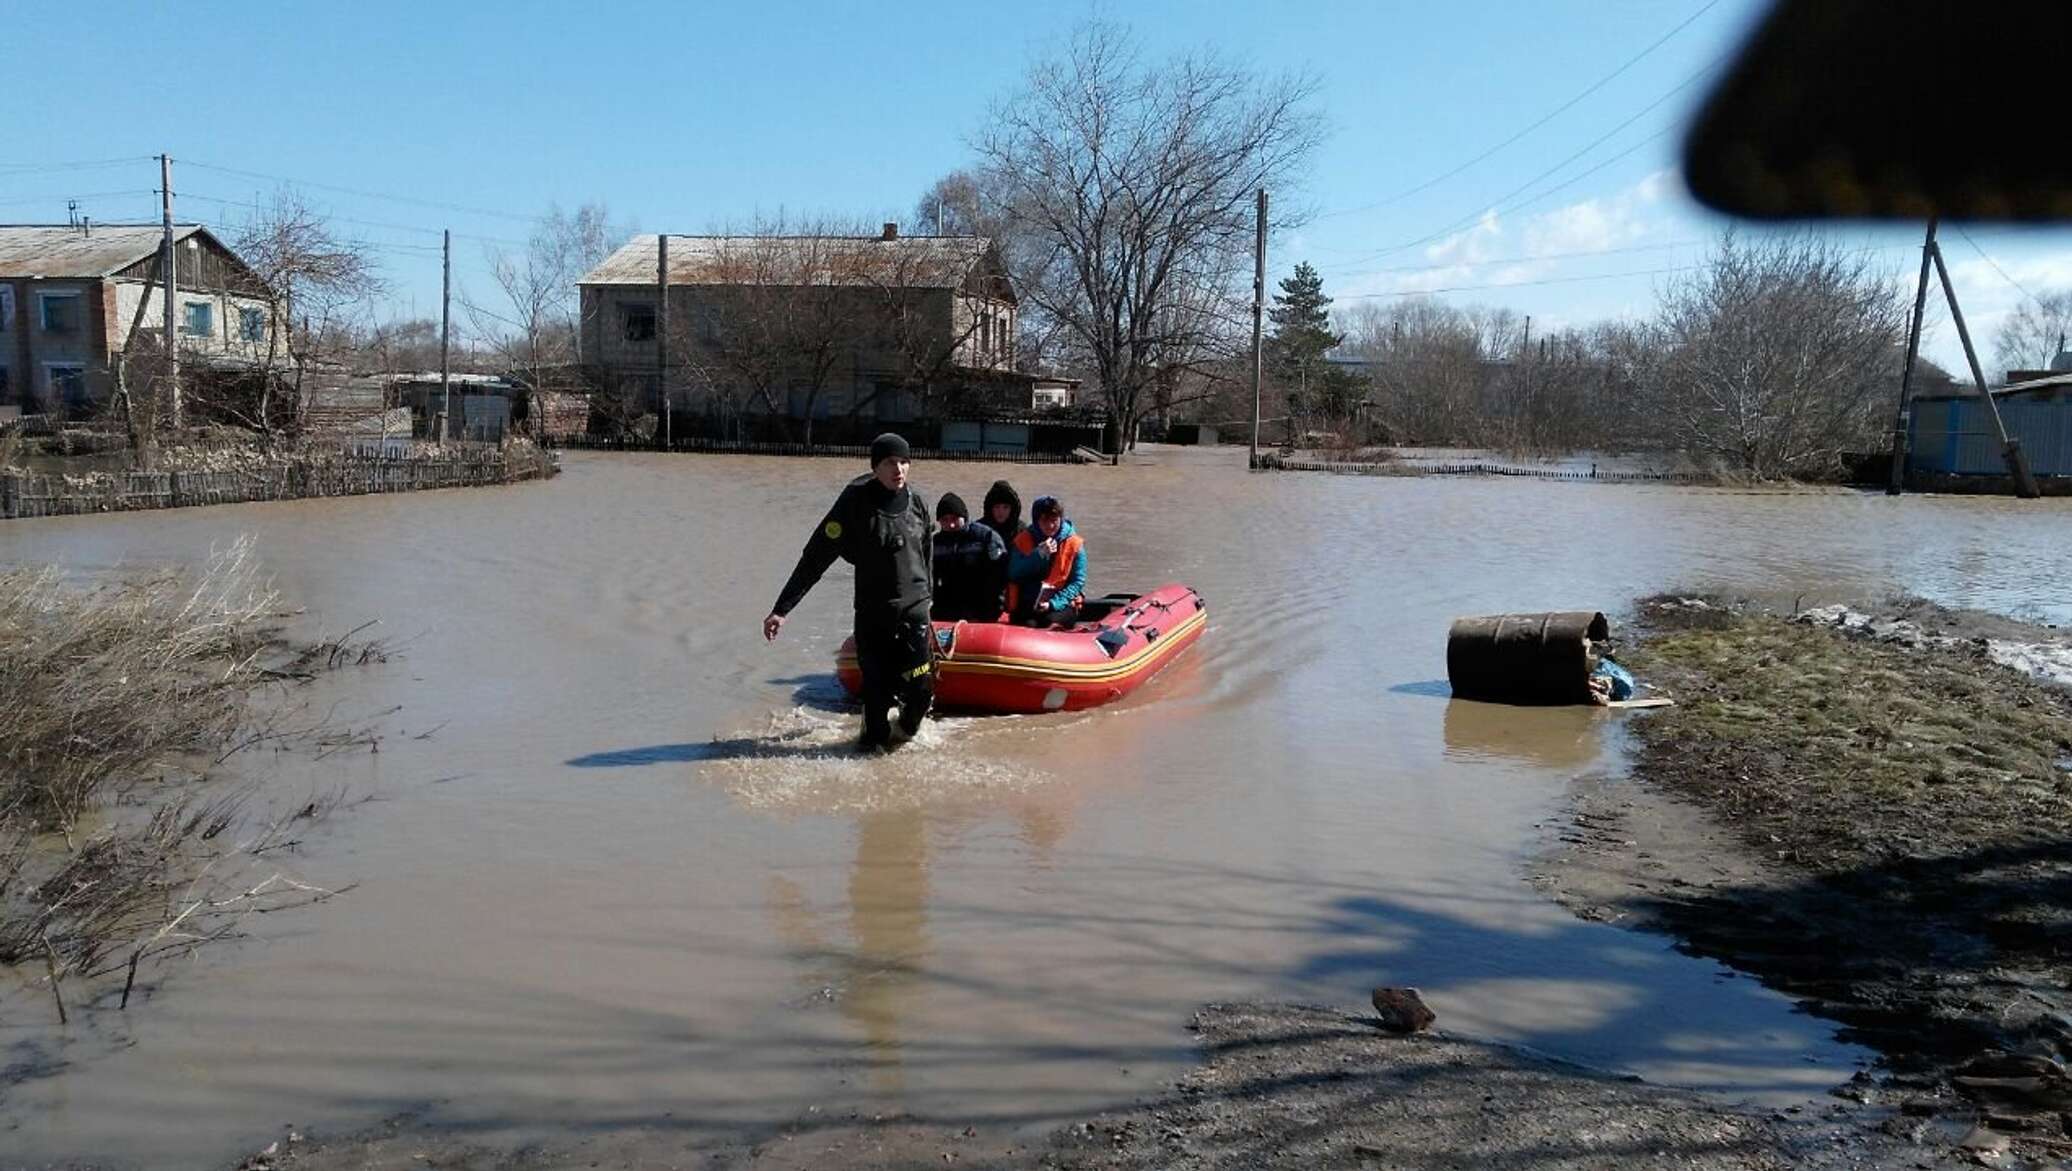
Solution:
(122, 700)
(1903, 816)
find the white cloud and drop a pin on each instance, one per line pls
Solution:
(1497, 251)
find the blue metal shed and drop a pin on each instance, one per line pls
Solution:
(1953, 435)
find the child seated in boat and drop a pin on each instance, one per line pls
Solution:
(1046, 568)
(970, 566)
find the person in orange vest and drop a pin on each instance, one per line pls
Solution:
(1046, 568)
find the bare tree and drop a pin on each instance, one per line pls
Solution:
(538, 324)
(311, 280)
(778, 316)
(2033, 334)
(1779, 355)
(1426, 362)
(1137, 180)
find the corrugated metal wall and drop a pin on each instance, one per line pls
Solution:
(1956, 436)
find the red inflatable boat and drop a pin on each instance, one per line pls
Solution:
(1120, 641)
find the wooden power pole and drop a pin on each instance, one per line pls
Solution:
(662, 333)
(1258, 315)
(2010, 447)
(165, 245)
(445, 335)
(1906, 374)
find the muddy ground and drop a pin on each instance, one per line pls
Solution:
(1880, 826)
(1279, 1086)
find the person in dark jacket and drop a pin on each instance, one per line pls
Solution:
(879, 524)
(970, 566)
(1003, 512)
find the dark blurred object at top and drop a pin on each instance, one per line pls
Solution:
(1894, 109)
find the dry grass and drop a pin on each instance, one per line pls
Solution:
(1836, 752)
(119, 700)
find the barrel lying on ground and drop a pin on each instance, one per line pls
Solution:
(1525, 658)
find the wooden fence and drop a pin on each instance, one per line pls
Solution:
(1363, 468)
(724, 446)
(31, 495)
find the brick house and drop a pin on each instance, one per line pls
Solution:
(768, 334)
(73, 298)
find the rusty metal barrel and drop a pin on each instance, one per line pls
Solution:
(1524, 658)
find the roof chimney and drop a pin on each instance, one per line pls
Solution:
(891, 232)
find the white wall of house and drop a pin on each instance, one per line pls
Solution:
(987, 328)
(225, 320)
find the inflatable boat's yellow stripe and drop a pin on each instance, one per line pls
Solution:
(1119, 669)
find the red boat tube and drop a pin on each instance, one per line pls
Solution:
(1120, 641)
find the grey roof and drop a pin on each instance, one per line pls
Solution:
(2049, 383)
(62, 252)
(938, 262)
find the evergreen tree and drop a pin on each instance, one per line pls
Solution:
(1302, 335)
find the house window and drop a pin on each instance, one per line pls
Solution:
(199, 319)
(60, 312)
(6, 308)
(251, 324)
(67, 384)
(640, 322)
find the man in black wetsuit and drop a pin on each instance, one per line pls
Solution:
(880, 525)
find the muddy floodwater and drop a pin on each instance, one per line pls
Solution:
(619, 868)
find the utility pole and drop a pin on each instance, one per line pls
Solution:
(1258, 316)
(445, 334)
(1525, 355)
(2010, 448)
(1900, 418)
(165, 248)
(662, 332)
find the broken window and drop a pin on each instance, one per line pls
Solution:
(640, 322)
(251, 324)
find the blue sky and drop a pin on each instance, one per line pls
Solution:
(692, 117)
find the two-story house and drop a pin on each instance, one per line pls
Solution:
(873, 329)
(75, 297)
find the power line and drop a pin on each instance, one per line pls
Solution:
(28, 199)
(1549, 117)
(89, 165)
(1996, 268)
(1498, 205)
(365, 194)
(246, 203)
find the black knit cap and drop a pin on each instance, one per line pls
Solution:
(951, 504)
(889, 446)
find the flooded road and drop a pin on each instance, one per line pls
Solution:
(619, 869)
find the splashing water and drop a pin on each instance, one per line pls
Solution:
(806, 759)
